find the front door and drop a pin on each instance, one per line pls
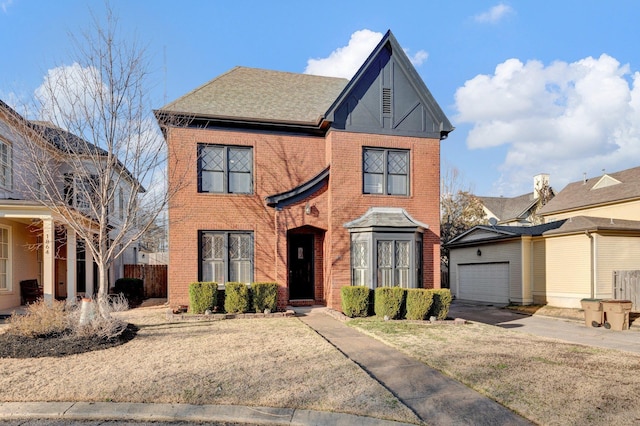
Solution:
(301, 282)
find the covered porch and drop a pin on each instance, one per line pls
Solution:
(35, 244)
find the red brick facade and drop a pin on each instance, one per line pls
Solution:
(280, 163)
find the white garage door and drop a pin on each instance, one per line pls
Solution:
(484, 282)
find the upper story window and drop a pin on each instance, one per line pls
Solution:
(225, 169)
(121, 203)
(6, 167)
(79, 190)
(385, 171)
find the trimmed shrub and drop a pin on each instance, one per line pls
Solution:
(355, 301)
(131, 288)
(236, 298)
(202, 296)
(388, 302)
(419, 303)
(264, 296)
(441, 302)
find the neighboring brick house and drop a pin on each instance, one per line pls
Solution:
(312, 182)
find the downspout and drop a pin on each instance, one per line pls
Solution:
(592, 267)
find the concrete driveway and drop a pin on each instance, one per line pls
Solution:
(556, 328)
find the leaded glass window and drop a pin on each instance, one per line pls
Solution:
(360, 262)
(385, 264)
(226, 256)
(225, 169)
(385, 171)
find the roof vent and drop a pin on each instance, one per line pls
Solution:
(386, 100)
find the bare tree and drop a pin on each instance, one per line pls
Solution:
(460, 210)
(106, 161)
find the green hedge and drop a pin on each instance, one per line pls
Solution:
(131, 288)
(388, 302)
(355, 301)
(419, 301)
(236, 298)
(264, 296)
(441, 302)
(202, 296)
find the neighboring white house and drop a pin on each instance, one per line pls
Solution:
(35, 243)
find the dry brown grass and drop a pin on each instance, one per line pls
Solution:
(275, 362)
(548, 381)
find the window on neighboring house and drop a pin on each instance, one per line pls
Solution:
(385, 171)
(6, 167)
(121, 203)
(78, 190)
(225, 169)
(226, 256)
(5, 259)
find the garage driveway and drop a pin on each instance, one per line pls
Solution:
(555, 328)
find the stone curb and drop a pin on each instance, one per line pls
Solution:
(171, 317)
(181, 412)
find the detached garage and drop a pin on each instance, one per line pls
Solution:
(493, 264)
(484, 282)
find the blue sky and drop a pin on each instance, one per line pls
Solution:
(531, 87)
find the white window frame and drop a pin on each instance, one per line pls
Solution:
(6, 276)
(6, 165)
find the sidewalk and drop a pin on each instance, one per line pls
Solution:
(435, 398)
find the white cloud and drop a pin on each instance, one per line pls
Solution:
(69, 93)
(417, 59)
(5, 5)
(345, 61)
(563, 119)
(495, 14)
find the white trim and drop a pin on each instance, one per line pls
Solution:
(9, 271)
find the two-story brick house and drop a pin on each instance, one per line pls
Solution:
(312, 182)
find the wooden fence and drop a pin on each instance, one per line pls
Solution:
(154, 277)
(626, 286)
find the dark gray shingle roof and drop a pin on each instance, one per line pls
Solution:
(261, 95)
(588, 223)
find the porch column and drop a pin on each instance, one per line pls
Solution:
(71, 265)
(88, 272)
(48, 261)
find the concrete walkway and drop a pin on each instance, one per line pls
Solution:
(562, 328)
(435, 398)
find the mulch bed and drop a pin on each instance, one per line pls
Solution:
(12, 346)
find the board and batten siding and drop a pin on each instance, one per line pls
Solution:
(614, 253)
(568, 265)
(496, 252)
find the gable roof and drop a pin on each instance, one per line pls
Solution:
(424, 108)
(587, 193)
(509, 208)
(257, 95)
(255, 98)
(485, 233)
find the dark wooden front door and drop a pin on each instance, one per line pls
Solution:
(301, 282)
